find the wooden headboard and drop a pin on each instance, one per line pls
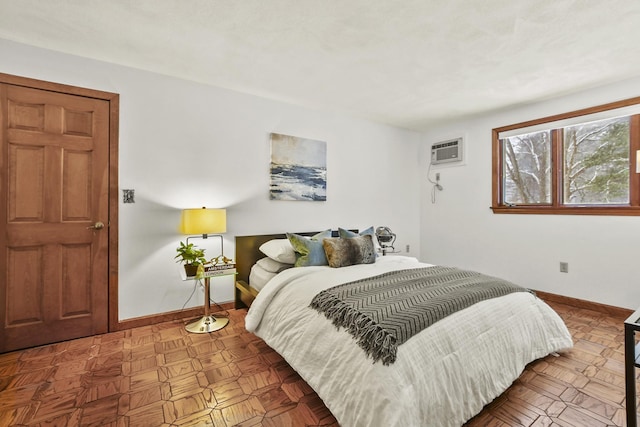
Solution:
(248, 252)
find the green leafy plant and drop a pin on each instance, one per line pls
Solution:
(190, 254)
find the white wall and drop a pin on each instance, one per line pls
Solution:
(185, 145)
(461, 230)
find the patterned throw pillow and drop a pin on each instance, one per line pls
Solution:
(342, 252)
(309, 250)
(344, 233)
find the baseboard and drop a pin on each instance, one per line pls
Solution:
(198, 311)
(589, 305)
(170, 315)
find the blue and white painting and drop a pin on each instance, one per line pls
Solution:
(298, 168)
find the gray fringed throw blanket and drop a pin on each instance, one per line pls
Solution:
(384, 311)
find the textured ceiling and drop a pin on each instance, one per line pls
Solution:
(409, 63)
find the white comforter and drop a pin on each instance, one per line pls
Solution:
(442, 376)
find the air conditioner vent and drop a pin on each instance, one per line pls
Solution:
(446, 151)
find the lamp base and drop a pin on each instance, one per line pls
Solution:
(207, 324)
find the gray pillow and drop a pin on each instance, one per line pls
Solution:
(349, 251)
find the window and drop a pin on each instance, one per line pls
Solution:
(596, 163)
(527, 166)
(582, 162)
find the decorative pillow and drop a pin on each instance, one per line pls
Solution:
(258, 277)
(279, 250)
(309, 250)
(273, 266)
(342, 252)
(344, 233)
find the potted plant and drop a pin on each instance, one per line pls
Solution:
(191, 256)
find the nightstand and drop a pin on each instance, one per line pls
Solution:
(209, 323)
(245, 294)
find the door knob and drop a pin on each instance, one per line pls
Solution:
(97, 226)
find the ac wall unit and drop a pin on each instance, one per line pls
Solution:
(446, 151)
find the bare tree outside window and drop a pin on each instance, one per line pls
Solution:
(596, 162)
(596, 165)
(582, 162)
(527, 168)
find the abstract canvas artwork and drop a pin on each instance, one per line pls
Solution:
(298, 168)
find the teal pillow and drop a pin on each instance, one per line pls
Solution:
(309, 250)
(344, 233)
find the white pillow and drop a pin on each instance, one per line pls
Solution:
(273, 266)
(258, 277)
(279, 250)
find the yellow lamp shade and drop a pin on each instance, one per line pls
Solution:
(203, 221)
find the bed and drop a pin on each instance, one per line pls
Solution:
(442, 376)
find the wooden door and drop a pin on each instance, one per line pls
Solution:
(54, 186)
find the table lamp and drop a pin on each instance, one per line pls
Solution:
(204, 223)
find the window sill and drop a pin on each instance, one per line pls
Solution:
(566, 210)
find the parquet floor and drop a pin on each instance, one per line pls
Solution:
(163, 376)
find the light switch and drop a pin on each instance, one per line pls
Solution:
(128, 196)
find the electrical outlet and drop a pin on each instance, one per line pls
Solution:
(437, 176)
(564, 267)
(408, 248)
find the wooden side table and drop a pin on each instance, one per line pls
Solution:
(631, 362)
(209, 323)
